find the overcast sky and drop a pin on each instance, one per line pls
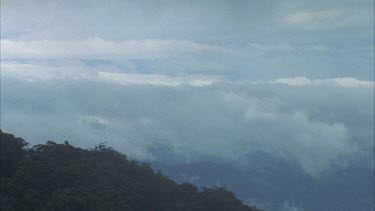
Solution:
(247, 39)
(195, 80)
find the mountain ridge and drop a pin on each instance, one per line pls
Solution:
(56, 176)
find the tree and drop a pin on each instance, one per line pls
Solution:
(12, 151)
(56, 176)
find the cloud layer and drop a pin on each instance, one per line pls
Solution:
(316, 125)
(190, 80)
(243, 39)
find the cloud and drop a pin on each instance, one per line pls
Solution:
(328, 19)
(256, 40)
(317, 127)
(345, 82)
(59, 58)
(95, 122)
(193, 80)
(313, 20)
(155, 80)
(98, 48)
(131, 56)
(78, 71)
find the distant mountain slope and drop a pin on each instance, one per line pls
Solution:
(282, 186)
(55, 176)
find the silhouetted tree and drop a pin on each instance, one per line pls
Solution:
(55, 176)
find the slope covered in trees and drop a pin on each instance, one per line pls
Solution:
(62, 177)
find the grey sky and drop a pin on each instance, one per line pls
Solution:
(316, 39)
(197, 79)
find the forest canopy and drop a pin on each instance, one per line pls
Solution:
(56, 176)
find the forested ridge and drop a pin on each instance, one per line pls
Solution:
(56, 176)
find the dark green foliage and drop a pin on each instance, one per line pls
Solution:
(61, 177)
(12, 151)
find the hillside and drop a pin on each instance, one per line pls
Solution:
(55, 176)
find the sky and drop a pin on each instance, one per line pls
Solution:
(186, 81)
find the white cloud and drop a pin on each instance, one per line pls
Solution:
(292, 135)
(152, 56)
(155, 80)
(317, 127)
(98, 48)
(344, 82)
(78, 71)
(350, 82)
(95, 120)
(296, 81)
(131, 56)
